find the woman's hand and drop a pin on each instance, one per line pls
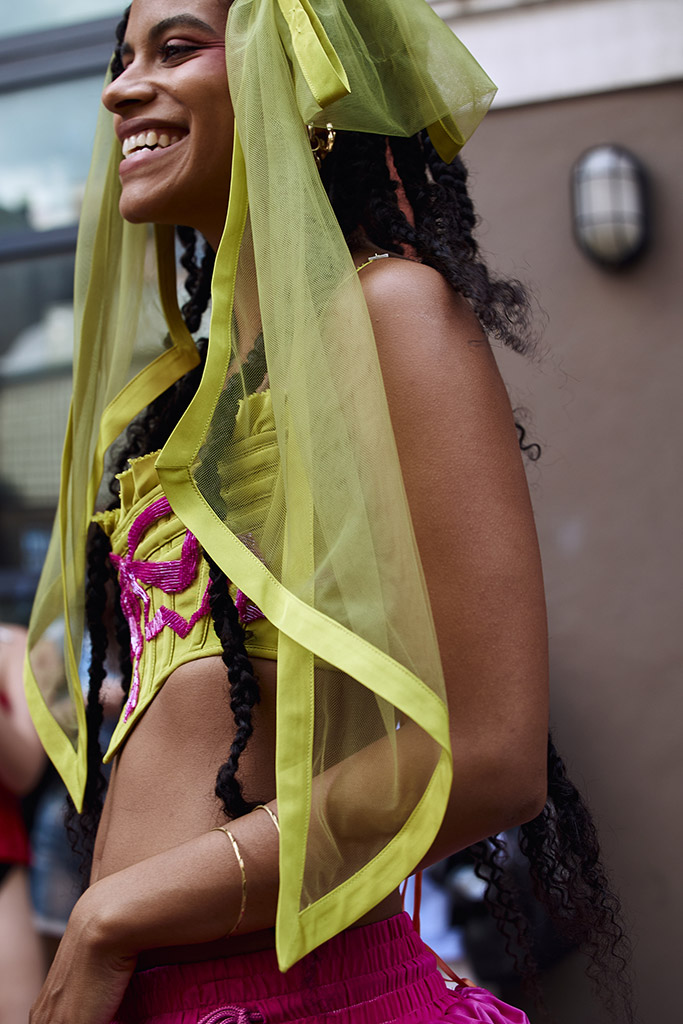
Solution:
(189, 894)
(89, 974)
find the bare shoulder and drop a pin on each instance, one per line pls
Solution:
(469, 502)
(406, 294)
(11, 634)
(431, 343)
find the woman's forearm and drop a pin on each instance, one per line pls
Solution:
(190, 893)
(187, 894)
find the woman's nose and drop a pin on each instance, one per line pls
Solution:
(132, 86)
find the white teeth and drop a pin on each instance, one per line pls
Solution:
(148, 140)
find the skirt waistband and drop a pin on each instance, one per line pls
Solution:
(369, 974)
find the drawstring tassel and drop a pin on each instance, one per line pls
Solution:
(233, 1015)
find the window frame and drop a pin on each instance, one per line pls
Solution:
(55, 54)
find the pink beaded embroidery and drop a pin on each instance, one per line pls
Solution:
(169, 577)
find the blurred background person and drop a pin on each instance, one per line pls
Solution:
(56, 877)
(21, 765)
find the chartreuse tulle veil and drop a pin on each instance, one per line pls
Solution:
(363, 762)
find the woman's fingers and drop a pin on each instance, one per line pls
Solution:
(88, 990)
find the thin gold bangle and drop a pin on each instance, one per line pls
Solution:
(271, 814)
(240, 861)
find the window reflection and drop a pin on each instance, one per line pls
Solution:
(33, 415)
(36, 15)
(35, 387)
(45, 139)
(32, 335)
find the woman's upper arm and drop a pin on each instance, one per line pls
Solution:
(470, 506)
(22, 758)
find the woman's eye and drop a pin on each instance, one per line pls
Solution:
(172, 51)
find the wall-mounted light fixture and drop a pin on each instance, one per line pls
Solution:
(610, 205)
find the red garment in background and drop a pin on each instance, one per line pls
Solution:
(14, 848)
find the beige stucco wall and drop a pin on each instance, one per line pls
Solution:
(607, 405)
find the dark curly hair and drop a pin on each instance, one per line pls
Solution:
(569, 881)
(400, 194)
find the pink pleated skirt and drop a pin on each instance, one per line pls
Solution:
(375, 974)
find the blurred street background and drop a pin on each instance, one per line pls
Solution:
(576, 174)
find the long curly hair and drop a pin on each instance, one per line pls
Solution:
(398, 193)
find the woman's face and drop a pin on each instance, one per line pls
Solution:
(173, 116)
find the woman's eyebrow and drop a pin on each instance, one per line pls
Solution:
(175, 21)
(180, 21)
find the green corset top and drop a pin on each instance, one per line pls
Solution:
(163, 577)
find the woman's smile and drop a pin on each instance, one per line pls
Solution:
(143, 145)
(156, 139)
(173, 116)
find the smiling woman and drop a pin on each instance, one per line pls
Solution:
(320, 508)
(173, 116)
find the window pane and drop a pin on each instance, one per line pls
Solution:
(34, 294)
(36, 342)
(33, 415)
(36, 15)
(45, 140)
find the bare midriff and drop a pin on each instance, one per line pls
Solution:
(185, 734)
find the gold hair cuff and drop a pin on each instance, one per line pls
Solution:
(271, 814)
(240, 861)
(322, 142)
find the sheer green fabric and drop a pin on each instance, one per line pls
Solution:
(363, 762)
